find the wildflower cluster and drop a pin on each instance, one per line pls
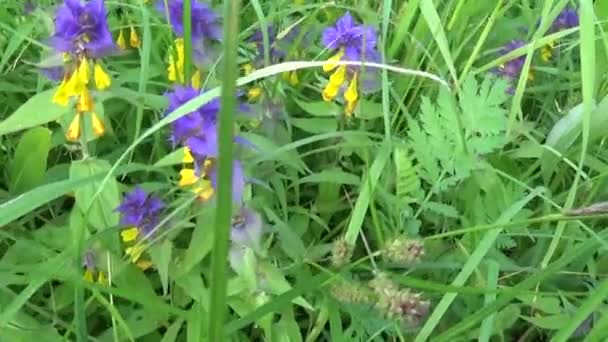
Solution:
(511, 70)
(349, 42)
(140, 215)
(83, 37)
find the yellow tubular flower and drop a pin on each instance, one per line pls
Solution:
(85, 102)
(205, 191)
(98, 127)
(122, 44)
(254, 93)
(73, 87)
(187, 156)
(102, 278)
(176, 67)
(102, 79)
(330, 92)
(547, 51)
(331, 62)
(247, 69)
(88, 275)
(294, 80)
(73, 132)
(134, 38)
(338, 77)
(187, 177)
(135, 252)
(128, 235)
(196, 80)
(61, 96)
(351, 94)
(83, 72)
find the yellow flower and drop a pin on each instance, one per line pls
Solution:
(121, 41)
(134, 38)
(187, 177)
(176, 67)
(73, 132)
(546, 52)
(83, 72)
(247, 68)
(204, 190)
(196, 80)
(351, 95)
(338, 77)
(128, 235)
(187, 156)
(61, 96)
(98, 127)
(88, 275)
(101, 278)
(331, 62)
(74, 86)
(102, 79)
(254, 93)
(294, 80)
(85, 102)
(135, 252)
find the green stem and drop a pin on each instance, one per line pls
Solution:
(187, 22)
(224, 185)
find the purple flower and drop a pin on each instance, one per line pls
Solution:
(238, 181)
(205, 22)
(358, 42)
(512, 69)
(568, 18)
(140, 209)
(197, 129)
(82, 29)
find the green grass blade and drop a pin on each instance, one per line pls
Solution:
(367, 191)
(187, 22)
(487, 326)
(223, 215)
(429, 12)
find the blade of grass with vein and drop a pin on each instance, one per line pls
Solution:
(386, 19)
(146, 45)
(429, 12)
(588, 306)
(367, 190)
(223, 216)
(487, 326)
(187, 22)
(473, 261)
(587, 53)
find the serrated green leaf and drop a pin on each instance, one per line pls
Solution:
(29, 163)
